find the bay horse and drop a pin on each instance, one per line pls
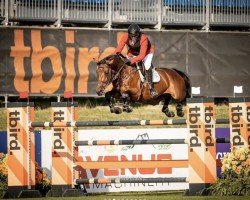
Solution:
(127, 85)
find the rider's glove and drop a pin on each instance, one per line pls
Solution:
(127, 61)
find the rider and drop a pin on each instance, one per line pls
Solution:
(139, 49)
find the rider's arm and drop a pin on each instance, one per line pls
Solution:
(143, 50)
(122, 43)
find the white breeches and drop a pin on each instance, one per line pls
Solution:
(148, 60)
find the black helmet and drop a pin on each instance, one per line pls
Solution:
(134, 30)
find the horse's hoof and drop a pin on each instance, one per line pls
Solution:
(170, 114)
(130, 109)
(180, 113)
(118, 110)
(124, 95)
(127, 109)
(112, 110)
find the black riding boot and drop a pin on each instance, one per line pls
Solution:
(153, 93)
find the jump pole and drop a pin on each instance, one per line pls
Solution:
(117, 123)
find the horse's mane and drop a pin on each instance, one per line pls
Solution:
(111, 57)
(104, 60)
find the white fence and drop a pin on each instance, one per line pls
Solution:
(156, 13)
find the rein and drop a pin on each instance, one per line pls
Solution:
(132, 72)
(119, 71)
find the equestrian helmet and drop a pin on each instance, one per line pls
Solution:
(134, 30)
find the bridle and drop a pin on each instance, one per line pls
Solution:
(105, 84)
(111, 78)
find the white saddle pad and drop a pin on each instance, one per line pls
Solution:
(156, 76)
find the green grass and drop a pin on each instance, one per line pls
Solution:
(97, 113)
(3, 118)
(149, 196)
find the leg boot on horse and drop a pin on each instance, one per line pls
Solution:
(126, 103)
(179, 110)
(110, 98)
(149, 73)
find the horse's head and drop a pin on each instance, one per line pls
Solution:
(108, 71)
(104, 76)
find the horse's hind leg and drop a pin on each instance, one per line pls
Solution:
(179, 110)
(165, 108)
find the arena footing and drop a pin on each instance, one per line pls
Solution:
(73, 193)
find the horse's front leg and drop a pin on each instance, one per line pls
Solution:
(126, 103)
(109, 96)
(109, 99)
(165, 108)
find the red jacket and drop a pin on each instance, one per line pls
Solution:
(140, 49)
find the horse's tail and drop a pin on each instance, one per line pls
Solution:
(187, 82)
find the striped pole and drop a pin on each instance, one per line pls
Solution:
(131, 180)
(129, 142)
(116, 123)
(109, 123)
(140, 142)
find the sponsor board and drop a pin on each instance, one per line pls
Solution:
(44, 142)
(126, 153)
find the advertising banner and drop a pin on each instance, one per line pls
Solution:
(134, 153)
(49, 62)
(221, 149)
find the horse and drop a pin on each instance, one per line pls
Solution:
(127, 84)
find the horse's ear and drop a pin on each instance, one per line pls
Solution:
(101, 62)
(109, 62)
(96, 60)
